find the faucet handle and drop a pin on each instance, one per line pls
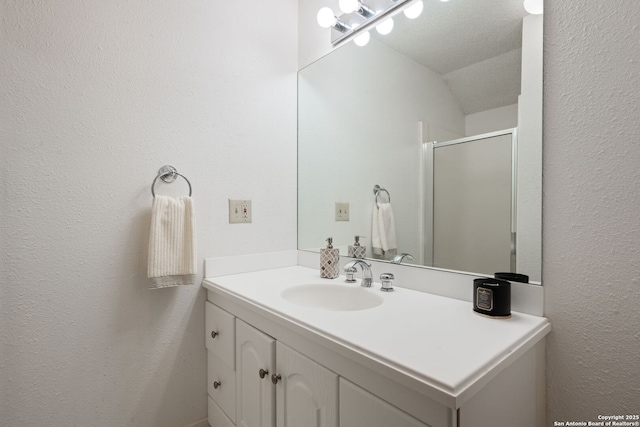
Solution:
(350, 272)
(387, 282)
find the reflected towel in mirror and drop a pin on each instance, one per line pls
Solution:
(383, 232)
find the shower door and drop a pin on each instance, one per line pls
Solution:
(474, 203)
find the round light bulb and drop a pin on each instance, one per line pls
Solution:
(326, 17)
(413, 11)
(362, 39)
(534, 7)
(348, 6)
(385, 26)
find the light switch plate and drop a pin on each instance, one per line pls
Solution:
(342, 211)
(239, 211)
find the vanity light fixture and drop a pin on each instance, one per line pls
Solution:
(413, 11)
(385, 26)
(326, 18)
(534, 7)
(349, 6)
(359, 17)
(362, 39)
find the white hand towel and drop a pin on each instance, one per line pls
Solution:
(172, 243)
(383, 231)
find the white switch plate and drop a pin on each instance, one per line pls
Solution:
(239, 211)
(342, 211)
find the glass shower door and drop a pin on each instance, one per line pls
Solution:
(474, 204)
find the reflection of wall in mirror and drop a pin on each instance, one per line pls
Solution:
(352, 148)
(346, 149)
(529, 201)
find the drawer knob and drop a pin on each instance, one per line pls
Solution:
(214, 334)
(263, 373)
(217, 384)
(275, 378)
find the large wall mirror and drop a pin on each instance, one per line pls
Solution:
(445, 115)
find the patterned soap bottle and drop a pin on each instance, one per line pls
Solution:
(356, 250)
(329, 261)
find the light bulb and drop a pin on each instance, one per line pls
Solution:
(385, 26)
(326, 17)
(362, 39)
(348, 6)
(413, 11)
(534, 7)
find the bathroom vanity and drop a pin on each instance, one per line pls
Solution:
(280, 353)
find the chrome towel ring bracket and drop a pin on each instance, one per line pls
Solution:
(168, 174)
(377, 189)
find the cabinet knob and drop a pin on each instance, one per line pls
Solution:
(214, 334)
(217, 384)
(275, 378)
(263, 373)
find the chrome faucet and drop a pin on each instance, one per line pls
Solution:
(350, 269)
(399, 258)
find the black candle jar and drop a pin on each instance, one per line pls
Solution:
(492, 297)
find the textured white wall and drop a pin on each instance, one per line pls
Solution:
(591, 205)
(94, 97)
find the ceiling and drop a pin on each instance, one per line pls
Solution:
(474, 45)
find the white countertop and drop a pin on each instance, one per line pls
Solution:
(439, 341)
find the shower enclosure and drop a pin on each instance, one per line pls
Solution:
(470, 203)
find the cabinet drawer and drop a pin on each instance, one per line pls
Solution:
(224, 394)
(220, 334)
(217, 418)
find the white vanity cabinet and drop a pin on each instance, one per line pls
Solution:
(274, 379)
(432, 363)
(272, 385)
(276, 386)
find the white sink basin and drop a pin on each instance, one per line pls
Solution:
(332, 297)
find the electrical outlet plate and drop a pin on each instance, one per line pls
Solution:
(342, 211)
(239, 211)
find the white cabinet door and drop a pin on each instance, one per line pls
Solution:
(307, 393)
(360, 408)
(255, 363)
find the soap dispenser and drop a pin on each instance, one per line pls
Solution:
(357, 251)
(329, 261)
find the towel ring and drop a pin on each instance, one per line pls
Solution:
(377, 189)
(168, 174)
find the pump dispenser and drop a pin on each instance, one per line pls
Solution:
(357, 251)
(329, 261)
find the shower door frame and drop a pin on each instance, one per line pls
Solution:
(428, 149)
